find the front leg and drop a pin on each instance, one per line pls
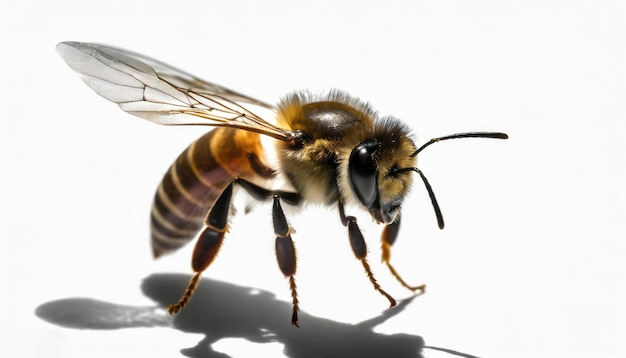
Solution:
(390, 233)
(360, 250)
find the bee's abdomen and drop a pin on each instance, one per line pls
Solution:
(196, 179)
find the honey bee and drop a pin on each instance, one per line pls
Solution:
(332, 149)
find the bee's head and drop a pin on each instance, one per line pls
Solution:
(379, 172)
(375, 170)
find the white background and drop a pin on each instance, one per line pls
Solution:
(531, 263)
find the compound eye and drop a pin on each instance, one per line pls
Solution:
(362, 172)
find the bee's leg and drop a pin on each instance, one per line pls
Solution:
(390, 233)
(285, 250)
(208, 244)
(360, 250)
(285, 253)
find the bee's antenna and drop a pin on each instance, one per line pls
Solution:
(496, 135)
(433, 200)
(431, 193)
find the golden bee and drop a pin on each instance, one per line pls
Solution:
(332, 149)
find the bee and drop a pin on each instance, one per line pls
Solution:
(332, 149)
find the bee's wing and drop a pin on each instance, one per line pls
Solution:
(161, 93)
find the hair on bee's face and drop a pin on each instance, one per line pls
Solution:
(373, 166)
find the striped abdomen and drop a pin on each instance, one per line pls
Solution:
(196, 179)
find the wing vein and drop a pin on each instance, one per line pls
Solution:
(162, 94)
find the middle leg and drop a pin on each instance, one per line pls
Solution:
(285, 249)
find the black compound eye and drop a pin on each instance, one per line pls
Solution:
(362, 172)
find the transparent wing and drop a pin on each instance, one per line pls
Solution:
(162, 94)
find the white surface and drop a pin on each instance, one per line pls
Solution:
(531, 263)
